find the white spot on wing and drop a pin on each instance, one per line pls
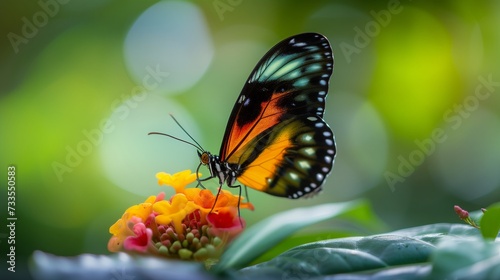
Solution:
(242, 98)
(328, 159)
(319, 177)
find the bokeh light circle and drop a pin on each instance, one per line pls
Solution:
(466, 163)
(170, 37)
(131, 158)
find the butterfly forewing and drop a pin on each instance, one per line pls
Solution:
(276, 137)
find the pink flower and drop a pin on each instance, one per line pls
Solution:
(140, 241)
(462, 214)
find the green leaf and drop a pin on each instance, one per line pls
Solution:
(358, 221)
(267, 233)
(490, 222)
(438, 230)
(466, 259)
(296, 240)
(395, 253)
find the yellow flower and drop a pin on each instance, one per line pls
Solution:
(174, 212)
(178, 181)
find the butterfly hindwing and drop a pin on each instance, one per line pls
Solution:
(292, 160)
(276, 137)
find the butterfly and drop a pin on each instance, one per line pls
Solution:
(276, 140)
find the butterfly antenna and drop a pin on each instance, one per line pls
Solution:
(190, 137)
(176, 138)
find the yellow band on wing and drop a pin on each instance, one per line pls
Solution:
(262, 170)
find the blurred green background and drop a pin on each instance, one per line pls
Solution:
(414, 104)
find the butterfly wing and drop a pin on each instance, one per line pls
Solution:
(276, 137)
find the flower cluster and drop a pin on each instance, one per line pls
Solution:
(193, 224)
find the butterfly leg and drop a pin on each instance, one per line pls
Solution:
(216, 197)
(201, 180)
(246, 194)
(200, 184)
(239, 201)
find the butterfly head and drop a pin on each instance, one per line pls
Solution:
(204, 157)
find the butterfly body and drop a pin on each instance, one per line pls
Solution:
(226, 172)
(276, 140)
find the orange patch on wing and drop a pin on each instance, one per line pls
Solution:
(241, 136)
(264, 167)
